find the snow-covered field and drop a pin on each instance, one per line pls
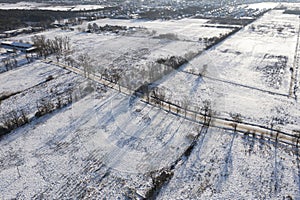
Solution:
(260, 6)
(185, 29)
(30, 75)
(107, 145)
(43, 6)
(61, 148)
(104, 148)
(270, 42)
(135, 53)
(271, 5)
(249, 73)
(228, 166)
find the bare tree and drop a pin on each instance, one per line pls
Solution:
(59, 46)
(144, 90)
(44, 106)
(90, 27)
(203, 70)
(185, 104)
(7, 63)
(159, 95)
(207, 111)
(296, 139)
(196, 110)
(79, 29)
(70, 61)
(95, 27)
(177, 103)
(27, 57)
(86, 62)
(237, 118)
(14, 119)
(40, 42)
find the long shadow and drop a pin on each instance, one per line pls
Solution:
(117, 153)
(61, 134)
(276, 171)
(166, 175)
(103, 170)
(197, 150)
(196, 84)
(196, 145)
(298, 169)
(174, 133)
(121, 108)
(227, 167)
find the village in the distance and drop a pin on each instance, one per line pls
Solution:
(168, 99)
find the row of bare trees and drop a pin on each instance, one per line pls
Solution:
(9, 63)
(158, 95)
(60, 46)
(14, 119)
(47, 105)
(85, 61)
(17, 118)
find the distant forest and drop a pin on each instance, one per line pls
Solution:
(16, 1)
(49, 1)
(12, 19)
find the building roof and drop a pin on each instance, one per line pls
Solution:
(18, 30)
(21, 45)
(16, 44)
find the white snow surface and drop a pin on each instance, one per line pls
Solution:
(32, 74)
(122, 139)
(261, 5)
(43, 6)
(109, 145)
(234, 79)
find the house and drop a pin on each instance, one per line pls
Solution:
(24, 47)
(29, 29)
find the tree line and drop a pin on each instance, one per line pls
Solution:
(59, 46)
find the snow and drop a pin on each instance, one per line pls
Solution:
(43, 6)
(108, 144)
(90, 128)
(261, 5)
(185, 29)
(20, 79)
(131, 52)
(28, 99)
(228, 166)
(99, 144)
(248, 49)
(231, 76)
